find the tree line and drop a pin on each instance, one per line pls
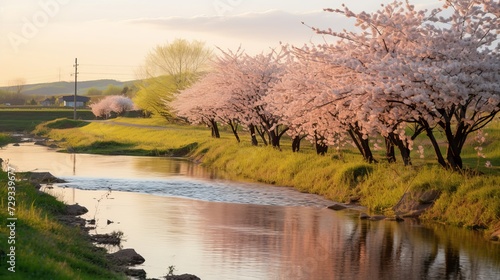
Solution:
(403, 73)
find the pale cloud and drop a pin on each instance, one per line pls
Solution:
(271, 26)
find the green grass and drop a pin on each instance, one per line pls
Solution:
(44, 248)
(116, 139)
(66, 123)
(25, 120)
(338, 176)
(5, 139)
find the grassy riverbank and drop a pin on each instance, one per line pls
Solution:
(43, 247)
(5, 139)
(465, 200)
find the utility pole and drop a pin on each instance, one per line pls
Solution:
(76, 80)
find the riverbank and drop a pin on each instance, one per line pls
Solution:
(462, 200)
(40, 243)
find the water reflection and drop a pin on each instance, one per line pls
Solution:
(29, 157)
(246, 241)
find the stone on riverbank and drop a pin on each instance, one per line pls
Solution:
(413, 204)
(364, 216)
(337, 207)
(126, 257)
(495, 236)
(182, 277)
(112, 239)
(40, 177)
(75, 210)
(354, 199)
(377, 218)
(396, 218)
(136, 273)
(72, 221)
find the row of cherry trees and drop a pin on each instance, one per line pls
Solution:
(404, 73)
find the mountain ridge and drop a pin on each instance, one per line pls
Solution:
(65, 88)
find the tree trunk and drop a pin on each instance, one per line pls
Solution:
(261, 134)
(275, 136)
(435, 145)
(296, 143)
(389, 150)
(215, 129)
(252, 135)
(403, 148)
(234, 128)
(455, 144)
(362, 144)
(321, 148)
(274, 139)
(405, 153)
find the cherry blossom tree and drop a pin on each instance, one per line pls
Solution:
(121, 104)
(233, 93)
(439, 69)
(113, 103)
(319, 100)
(200, 103)
(247, 81)
(102, 109)
(299, 99)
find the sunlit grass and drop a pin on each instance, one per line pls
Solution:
(113, 138)
(154, 121)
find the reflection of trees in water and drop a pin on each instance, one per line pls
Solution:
(310, 243)
(452, 261)
(403, 251)
(172, 166)
(318, 245)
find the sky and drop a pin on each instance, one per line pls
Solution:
(40, 39)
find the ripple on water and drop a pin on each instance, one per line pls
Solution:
(213, 190)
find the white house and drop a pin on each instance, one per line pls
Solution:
(81, 101)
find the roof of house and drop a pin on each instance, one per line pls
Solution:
(79, 98)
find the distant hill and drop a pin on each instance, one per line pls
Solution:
(65, 88)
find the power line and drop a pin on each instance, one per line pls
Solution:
(109, 65)
(106, 73)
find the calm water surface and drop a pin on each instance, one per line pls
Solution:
(177, 213)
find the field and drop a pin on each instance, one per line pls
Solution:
(25, 120)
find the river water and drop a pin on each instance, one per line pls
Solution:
(176, 213)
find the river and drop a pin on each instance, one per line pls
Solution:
(176, 213)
